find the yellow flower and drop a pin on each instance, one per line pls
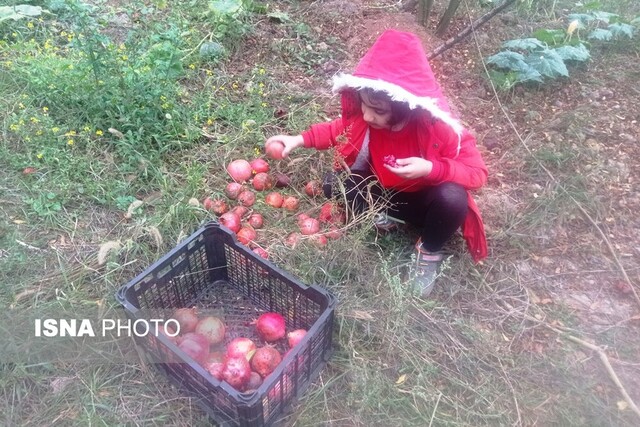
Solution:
(34, 120)
(30, 25)
(38, 132)
(70, 133)
(261, 71)
(55, 129)
(235, 85)
(264, 104)
(99, 132)
(192, 66)
(21, 106)
(39, 155)
(70, 66)
(124, 57)
(86, 128)
(209, 122)
(209, 72)
(45, 109)
(14, 127)
(70, 142)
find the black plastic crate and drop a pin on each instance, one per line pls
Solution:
(212, 271)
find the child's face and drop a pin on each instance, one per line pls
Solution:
(377, 113)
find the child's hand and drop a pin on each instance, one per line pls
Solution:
(411, 167)
(290, 142)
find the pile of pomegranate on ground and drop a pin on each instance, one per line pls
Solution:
(241, 208)
(243, 362)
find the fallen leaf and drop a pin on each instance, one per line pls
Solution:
(401, 379)
(622, 405)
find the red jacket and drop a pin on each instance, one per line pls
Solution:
(397, 65)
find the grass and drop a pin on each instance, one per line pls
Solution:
(107, 133)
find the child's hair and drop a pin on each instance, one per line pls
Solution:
(399, 110)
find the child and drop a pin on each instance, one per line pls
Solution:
(397, 139)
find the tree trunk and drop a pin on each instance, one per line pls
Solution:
(443, 25)
(424, 10)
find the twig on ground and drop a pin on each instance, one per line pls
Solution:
(28, 246)
(601, 354)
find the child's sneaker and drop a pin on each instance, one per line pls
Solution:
(427, 269)
(384, 222)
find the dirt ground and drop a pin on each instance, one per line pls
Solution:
(580, 260)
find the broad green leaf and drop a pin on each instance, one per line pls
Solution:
(573, 53)
(620, 30)
(528, 44)
(19, 11)
(225, 7)
(502, 80)
(529, 75)
(548, 63)
(592, 5)
(601, 34)
(584, 18)
(508, 60)
(550, 37)
(604, 16)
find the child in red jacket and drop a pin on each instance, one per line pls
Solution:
(399, 143)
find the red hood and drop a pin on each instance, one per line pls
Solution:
(398, 65)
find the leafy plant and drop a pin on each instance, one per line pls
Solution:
(546, 54)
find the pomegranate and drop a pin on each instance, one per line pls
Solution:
(240, 210)
(239, 170)
(214, 364)
(247, 198)
(255, 381)
(274, 149)
(233, 190)
(212, 328)
(265, 360)
(261, 252)
(241, 347)
(309, 226)
(291, 203)
(236, 372)
(217, 206)
(192, 336)
(186, 318)
(255, 220)
(282, 180)
(270, 326)
(262, 181)
(197, 349)
(301, 217)
(313, 188)
(259, 165)
(274, 199)
(330, 212)
(246, 235)
(390, 160)
(294, 337)
(318, 239)
(215, 369)
(293, 239)
(231, 221)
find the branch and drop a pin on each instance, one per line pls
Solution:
(601, 354)
(469, 29)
